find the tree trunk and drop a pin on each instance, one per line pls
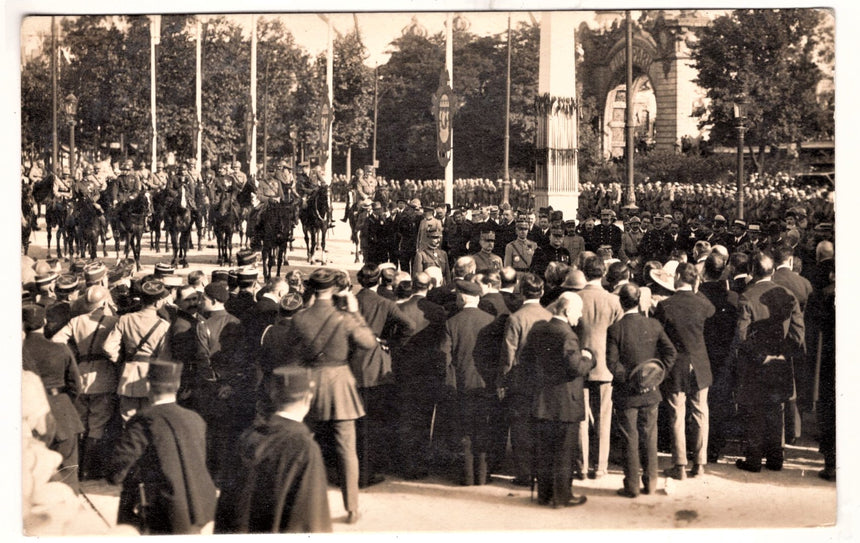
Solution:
(349, 163)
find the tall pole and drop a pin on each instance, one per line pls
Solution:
(198, 94)
(506, 184)
(252, 159)
(54, 146)
(329, 79)
(449, 65)
(154, 39)
(375, 110)
(266, 118)
(72, 147)
(628, 117)
(740, 114)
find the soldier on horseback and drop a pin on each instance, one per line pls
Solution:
(128, 185)
(363, 188)
(89, 188)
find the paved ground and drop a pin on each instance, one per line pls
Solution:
(724, 498)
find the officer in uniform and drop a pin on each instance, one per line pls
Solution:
(432, 254)
(239, 175)
(127, 183)
(485, 259)
(519, 253)
(607, 234)
(305, 183)
(555, 252)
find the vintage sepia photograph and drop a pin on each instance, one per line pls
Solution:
(427, 269)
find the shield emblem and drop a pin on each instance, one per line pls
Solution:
(444, 118)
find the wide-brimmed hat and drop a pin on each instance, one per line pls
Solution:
(663, 278)
(646, 377)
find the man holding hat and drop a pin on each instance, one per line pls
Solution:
(136, 339)
(55, 365)
(638, 354)
(161, 463)
(519, 252)
(281, 483)
(327, 334)
(97, 399)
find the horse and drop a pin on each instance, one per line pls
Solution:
(316, 217)
(86, 227)
(28, 216)
(112, 215)
(245, 200)
(357, 219)
(159, 205)
(225, 218)
(132, 221)
(276, 225)
(178, 221)
(56, 212)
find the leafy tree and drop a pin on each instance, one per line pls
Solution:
(353, 94)
(771, 56)
(175, 85)
(36, 105)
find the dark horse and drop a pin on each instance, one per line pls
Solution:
(316, 217)
(225, 219)
(28, 216)
(276, 226)
(87, 226)
(178, 221)
(56, 212)
(246, 204)
(132, 220)
(357, 218)
(159, 208)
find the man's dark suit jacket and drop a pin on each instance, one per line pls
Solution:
(556, 371)
(683, 316)
(629, 342)
(417, 358)
(721, 326)
(797, 284)
(466, 335)
(372, 367)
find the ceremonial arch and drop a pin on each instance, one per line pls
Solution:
(665, 97)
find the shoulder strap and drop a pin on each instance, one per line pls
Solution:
(144, 339)
(93, 340)
(318, 349)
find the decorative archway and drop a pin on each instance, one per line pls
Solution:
(644, 116)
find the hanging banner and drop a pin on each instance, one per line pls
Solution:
(444, 108)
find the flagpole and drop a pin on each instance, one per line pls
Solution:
(329, 79)
(252, 161)
(506, 183)
(449, 65)
(154, 38)
(198, 94)
(54, 147)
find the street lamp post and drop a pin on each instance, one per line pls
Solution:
(740, 113)
(70, 107)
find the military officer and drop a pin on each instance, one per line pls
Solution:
(485, 259)
(128, 184)
(432, 255)
(555, 252)
(519, 253)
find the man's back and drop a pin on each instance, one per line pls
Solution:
(683, 316)
(600, 309)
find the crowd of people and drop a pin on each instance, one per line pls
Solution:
(581, 342)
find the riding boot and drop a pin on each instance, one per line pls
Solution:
(84, 453)
(481, 472)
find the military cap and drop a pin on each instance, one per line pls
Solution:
(164, 372)
(719, 218)
(468, 287)
(246, 257)
(291, 383)
(543, 212)
(126, 165)
(606, 212)
(220, 275)
(488, 234)
(32, 316)
(45, 279)
(322, 278)
(556, 231)
(669, 217)
(415, 203)
(217, 290)
(247, 277)
(162, 269)
(78, 265)
(152, 290)
(68, 282)
(290, 302)
(645, 215)
(635, 220)
(556, 216)
(590, 220)
(433, 231)
(94, 272)
(824, 227)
